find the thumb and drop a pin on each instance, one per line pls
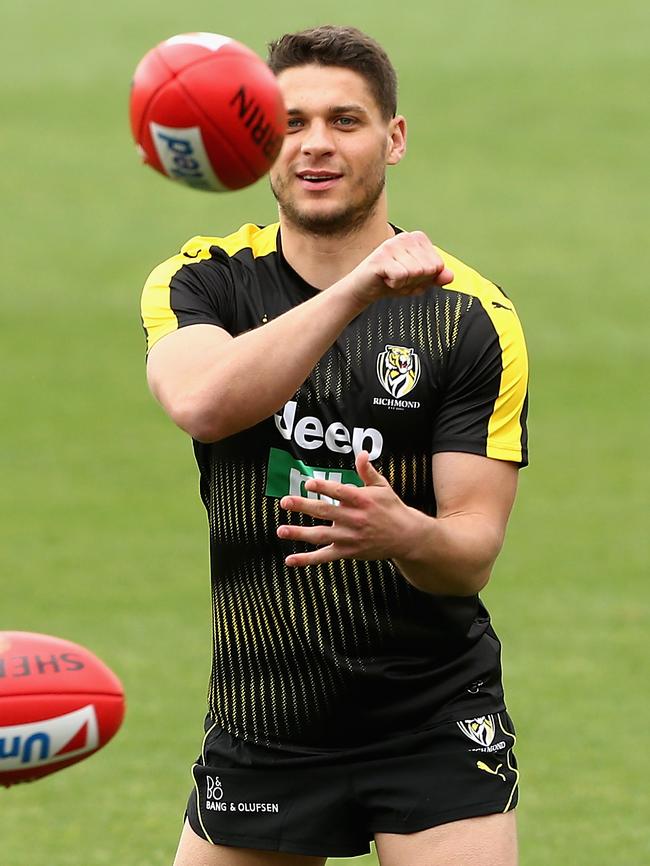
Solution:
(367, 472)
(444, 277)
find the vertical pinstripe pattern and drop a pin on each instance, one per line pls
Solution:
(286, 642)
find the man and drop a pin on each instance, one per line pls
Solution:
(357, 402)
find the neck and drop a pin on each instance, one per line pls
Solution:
(322, 260)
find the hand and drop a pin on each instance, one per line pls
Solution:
(370, 522)
(406, 264)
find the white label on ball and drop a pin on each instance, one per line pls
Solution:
(212, 41)
(183, 156)
(39, 743)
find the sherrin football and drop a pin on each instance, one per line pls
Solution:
(58, 704)
(207, 111)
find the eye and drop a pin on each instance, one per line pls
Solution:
(294, 123)
(346, 121)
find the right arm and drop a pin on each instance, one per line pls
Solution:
(196, 372)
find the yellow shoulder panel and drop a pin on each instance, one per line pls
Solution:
(505, 427)
(157, 315)
(261, 241)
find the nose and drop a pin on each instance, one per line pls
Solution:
(318, 139)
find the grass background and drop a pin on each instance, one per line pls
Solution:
(529, 143)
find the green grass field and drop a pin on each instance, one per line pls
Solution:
(528, 159)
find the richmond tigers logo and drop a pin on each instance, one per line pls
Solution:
(481, 730)
(398, 370)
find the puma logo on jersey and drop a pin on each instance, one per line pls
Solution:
(308, 432)
(398, 370)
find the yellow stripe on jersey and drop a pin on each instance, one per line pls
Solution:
(158, 316)
(261, 241)
(504, 441)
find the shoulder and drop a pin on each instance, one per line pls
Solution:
(249, 241)
(256, 240)
(468, 281)
(484, 301)
(198, 284)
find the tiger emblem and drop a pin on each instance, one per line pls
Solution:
(481, 730)
(398, 370)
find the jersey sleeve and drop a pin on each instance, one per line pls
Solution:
(194, 287)
(485, 392)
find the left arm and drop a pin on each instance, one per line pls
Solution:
(453, 553)
(450, 554)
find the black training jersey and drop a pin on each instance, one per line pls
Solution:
(348, 652)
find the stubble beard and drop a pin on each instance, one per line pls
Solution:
(343, 221)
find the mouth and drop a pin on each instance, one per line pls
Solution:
(318, 179)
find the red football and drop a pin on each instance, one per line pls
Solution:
(58, 704)
(207, 111)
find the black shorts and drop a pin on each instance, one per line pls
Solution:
(331, 805)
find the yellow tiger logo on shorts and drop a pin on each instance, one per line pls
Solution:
(398, 370)
(481, 730)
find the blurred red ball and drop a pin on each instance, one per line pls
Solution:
(59, 704)
(207, 111)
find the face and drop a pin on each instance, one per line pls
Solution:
(330, 175)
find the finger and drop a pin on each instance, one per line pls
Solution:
(408, 261)
(435, 264)
(318, 508)
(414, 259)
(417, 265)
(417, 275)
(444, 277)
(308, 534)
(336, 490)
(394, 273)
(314, 557)
(367, 472)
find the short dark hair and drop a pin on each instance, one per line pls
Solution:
(329, 45)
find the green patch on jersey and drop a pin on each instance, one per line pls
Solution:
(286, 476)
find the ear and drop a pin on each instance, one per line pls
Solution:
(396, 140)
